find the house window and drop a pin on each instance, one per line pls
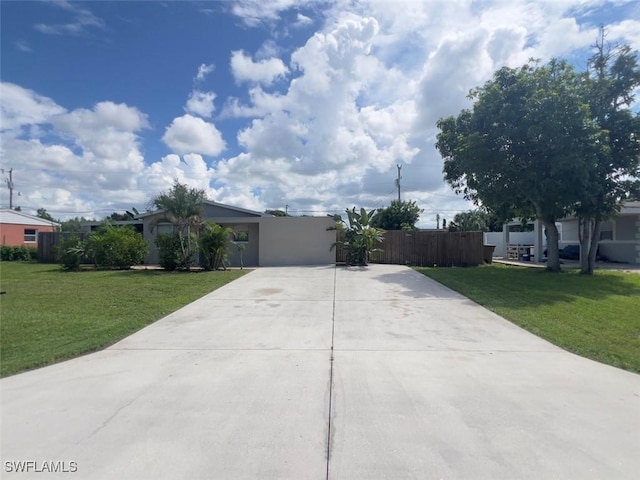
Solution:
(606, 231)
(30, 235)
(166, 228)
(241, 234)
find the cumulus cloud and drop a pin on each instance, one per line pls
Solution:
(71, 161)
(200, 103)
(21, 106)
(191, 169)
(189, 134)
(265, 71)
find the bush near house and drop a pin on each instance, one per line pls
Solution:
(71, 251)
(21, 253)
(215, 242)
(175, 251)
(117, 247)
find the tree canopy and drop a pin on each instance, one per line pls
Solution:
(475, 220)
(400, 215)
(42, 213)
(181, 206)
(611, 78)
(526, 148)
(277, 213)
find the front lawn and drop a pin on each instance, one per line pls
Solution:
(596, 316)
(48, 315)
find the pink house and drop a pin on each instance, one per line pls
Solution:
(17, 228)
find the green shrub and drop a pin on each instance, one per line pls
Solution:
(71, 250)
(117, 247)
(168, 247)
(215, 242)
(21, 253)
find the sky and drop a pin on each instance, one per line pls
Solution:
(307, 106)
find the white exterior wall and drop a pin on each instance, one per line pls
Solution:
(497, 239)
(296, 241)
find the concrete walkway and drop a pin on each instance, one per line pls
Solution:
(240, 385)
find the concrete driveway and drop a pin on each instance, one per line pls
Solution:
(241, 384)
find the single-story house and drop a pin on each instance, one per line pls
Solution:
(619, 237)
(18, 228)
(268, 240)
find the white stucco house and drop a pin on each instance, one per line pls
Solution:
(268, 240)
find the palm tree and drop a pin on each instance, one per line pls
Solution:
(182, 207)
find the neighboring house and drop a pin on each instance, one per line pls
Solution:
(619, 237)
(17, 228)
(268, 240)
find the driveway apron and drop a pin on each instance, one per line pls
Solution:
(323, 372)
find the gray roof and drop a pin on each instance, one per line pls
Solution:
(221, 205)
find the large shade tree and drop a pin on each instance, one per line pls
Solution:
(611, 78)
(526, 148)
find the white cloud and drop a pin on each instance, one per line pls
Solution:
(23, 46)
(254, 12)
(191, 170)
(200, 103)
(90, 157)
(263, 71)
(20, 106)
(203, 71)
(302, 21)
(189, 134)
(83, 19)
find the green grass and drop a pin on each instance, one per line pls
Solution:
(596, 316)
(48, 315)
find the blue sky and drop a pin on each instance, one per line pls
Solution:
(263, 104)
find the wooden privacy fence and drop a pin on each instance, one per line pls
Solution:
(425, 248)
(48, 244)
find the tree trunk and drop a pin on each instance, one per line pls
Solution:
(584, 232)
(589, 238)
(593, 249)
(553, 256)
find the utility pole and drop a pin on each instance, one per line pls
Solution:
(398, 180)
(286, 210)
(9, 182)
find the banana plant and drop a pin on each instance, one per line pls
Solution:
(360, 238)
